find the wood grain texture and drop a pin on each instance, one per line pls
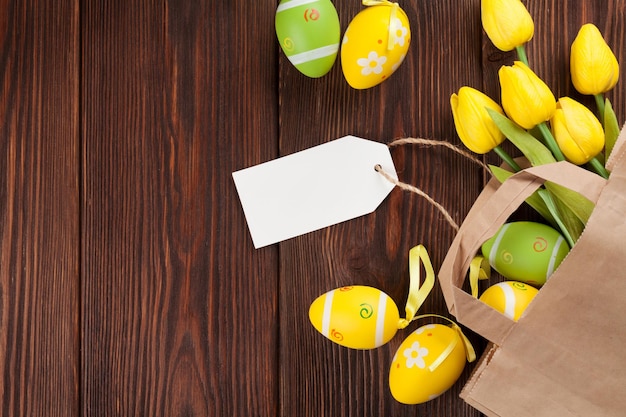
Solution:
(129, 284)
(180, 313)
(448, 50)
(373, 250)
(39, 209)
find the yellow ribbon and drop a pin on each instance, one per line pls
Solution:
(479, 269)
(417, 294)
(418, 256)
(470, 353)
(442, 357)
(392, 17)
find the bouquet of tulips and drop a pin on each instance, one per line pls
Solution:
(544, 129)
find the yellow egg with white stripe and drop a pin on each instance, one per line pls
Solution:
(509, 297)
(358, 317)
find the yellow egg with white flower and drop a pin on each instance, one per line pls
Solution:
(427, 363)
(375, 44)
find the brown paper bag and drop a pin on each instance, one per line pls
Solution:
(566, 356)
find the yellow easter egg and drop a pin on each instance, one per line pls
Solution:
(509, 297)
(357, 317)
(374, 45)
(427, 363)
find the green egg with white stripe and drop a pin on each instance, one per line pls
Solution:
(526, 251)
(308, 32)
(358, 317)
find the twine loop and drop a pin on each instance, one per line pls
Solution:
(416, 190)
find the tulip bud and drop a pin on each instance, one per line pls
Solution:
(526, 99)
(577, 131)
(593, 65)
(507, 23)
(472, 121)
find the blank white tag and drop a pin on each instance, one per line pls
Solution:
(313, 188)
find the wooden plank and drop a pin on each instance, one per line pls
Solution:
(317, 376)
(449, 50)
(39, 210)
(180, 312)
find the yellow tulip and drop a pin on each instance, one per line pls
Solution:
(593, 65)
(507, 23)
(526, 99)
(577, 131)
(473, 124)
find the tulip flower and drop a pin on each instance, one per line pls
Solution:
(475, 127)
(528, 101)
(593, 65)
(508, 24)
(578, 133)
(473, 124)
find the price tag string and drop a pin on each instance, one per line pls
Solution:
(479, 267)
(416, 190)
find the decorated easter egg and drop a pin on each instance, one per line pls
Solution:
(526, 251)
(357, 317)
(510, 297)
(428, 362)
(374, 45)
(309, 33)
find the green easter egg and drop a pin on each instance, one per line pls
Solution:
(526, 251)
(308, 32)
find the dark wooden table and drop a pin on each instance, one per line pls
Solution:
(129, 284)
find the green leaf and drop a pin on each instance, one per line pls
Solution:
(534, 200)
(611, 128)
(554, 210)
(567, 219)
(535, 151)
(574, 209)
(580, 206)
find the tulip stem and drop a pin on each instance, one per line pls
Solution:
(551, 142)
(554, 211)
(521, 54)
(599, 168)
(507, 158)
(600, 103)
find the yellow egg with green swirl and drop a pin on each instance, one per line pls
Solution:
(509, 297)
(358, 317)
